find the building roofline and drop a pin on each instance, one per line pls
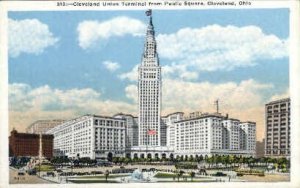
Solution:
(84, 117)
(176, 113)
(201, 117)
(233, 119)
(27, 134)
(248, 122)
(121, 113)
(100, 116)
(279, 100)
(44, 120)
(172, 114)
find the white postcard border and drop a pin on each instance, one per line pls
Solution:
(6, 6)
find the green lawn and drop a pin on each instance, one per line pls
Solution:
(164, 175)
(101, 176)
(45, 168)
(189, 181)
(168, 175)
(92, 181)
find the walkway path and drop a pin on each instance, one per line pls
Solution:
(14, 178)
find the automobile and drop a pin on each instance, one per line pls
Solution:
(51, 174)
(104, 164)
(21, 173)
(31, 172)
(219, 174)
(96, 172)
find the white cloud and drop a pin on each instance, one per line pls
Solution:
(132, 93)
(220, 48)
(27, 104)
(285, 94)
(243, 100)
(111, 66)
(23, 97)
(132, 75)
(200, 95)
(92, 31)
(190, 51)
(28, 36)
(178, 71)
(168, 71)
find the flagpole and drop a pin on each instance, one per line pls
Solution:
(147, 141)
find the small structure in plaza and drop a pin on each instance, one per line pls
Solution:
(137, 175)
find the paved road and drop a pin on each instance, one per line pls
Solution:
(26, 179)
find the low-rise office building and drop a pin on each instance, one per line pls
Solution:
(214, 134)
(277, 134)
(28, 145)
(93, 136)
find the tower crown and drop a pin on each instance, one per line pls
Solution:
(150, 57)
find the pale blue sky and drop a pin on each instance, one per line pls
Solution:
(66, 65)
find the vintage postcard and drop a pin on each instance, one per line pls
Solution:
(150, 93)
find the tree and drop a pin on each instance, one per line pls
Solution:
(213, 159)
(148, 159)
(179, 173)
(191, 159)
(206, 158)
(231, 160)
(250, 161)
(115, 160)
(186, 158)
(209, 160)
(121, 160)
(270, 160)
(201, 158)
(240, 160)
(181, 158)
(282, 162)
(157, 158)
(219, 159)
(226, 160)
(192, 174)
(235, 159)
(127, 160)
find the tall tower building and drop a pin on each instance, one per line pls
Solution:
(149, 91)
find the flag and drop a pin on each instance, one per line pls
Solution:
(151, 132)
(149, 12)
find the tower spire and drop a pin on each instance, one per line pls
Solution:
(150, 29)
(150, 54)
